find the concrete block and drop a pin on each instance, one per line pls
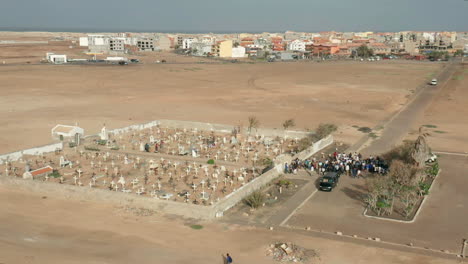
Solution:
(339, 233)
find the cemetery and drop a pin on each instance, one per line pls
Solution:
(168, 163)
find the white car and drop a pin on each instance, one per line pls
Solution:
(434, 82)
(432, 158)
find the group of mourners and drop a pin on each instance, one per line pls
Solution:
(351, 164)
(157, 146)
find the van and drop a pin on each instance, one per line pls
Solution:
(434, 82)
(329, 181)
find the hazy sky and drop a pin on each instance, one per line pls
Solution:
(235, 15)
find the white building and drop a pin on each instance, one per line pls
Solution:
(429, 36)
(238, 52)
(84, 42)
(200, 48)
(187, 43)
(67, 131)
(56, 58)
(297, 45)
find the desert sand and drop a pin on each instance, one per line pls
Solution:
(39, 229)
(36, 97)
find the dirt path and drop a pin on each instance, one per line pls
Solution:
(399, 125)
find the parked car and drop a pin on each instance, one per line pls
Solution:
(134, 60)
(329, 181)
(432, 158)
(123, 63)
(434, 82)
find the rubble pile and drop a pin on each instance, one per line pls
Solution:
(289, 252)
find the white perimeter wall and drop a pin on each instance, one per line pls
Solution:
(14, 156)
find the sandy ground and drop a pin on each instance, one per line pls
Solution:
(446, 118)
(57, 231)
(34, 98)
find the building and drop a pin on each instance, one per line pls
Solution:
(277, 44)
(297, 45)
(285, 56)
(222, 49)
(323, 49)
(56, 58)
(380, 48)
(98, 43)
(201, 49)
(145, 44)
(45, 171)
(84, 42)
(117, 44)
(67, 131)
(164, 43)
(238, 52)
(186, 43)
(247, 42)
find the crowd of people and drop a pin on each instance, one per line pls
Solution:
(351, 164)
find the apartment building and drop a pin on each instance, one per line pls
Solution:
(145, 44)
(117, 44)
(222, 49)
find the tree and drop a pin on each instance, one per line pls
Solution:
(437, 55)
(323, 130)
(254, 123)
(401, 152)
(364, 51)
(289, 123)
(458, 53)
(236, 44)
(255, 200)
(421, 151)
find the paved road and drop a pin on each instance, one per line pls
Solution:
(400, 124)
(440, 225)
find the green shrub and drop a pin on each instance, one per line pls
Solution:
(71, 144)
(91, 148)
(55, 174)
(365, 129)
(255, 200)
(211, 161)
(102, 142)
(433, 169)
(196, 227)
(284, 182)
(424, 188)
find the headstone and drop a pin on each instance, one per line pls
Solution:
(103, 133)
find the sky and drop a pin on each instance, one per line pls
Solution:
(234, 15)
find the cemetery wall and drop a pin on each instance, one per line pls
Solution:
(229, 128)
(14, 156)
(134, 127)
(207, 127)
(232, 199)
